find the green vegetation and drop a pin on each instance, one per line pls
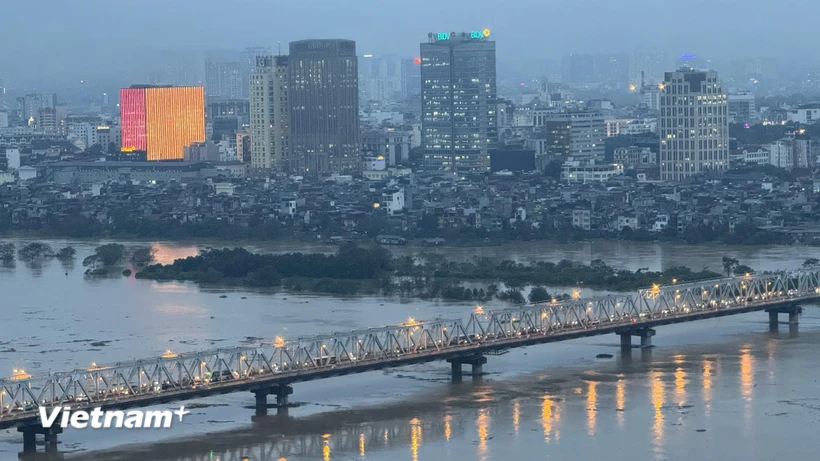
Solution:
(34, 251)
(7, 253)
(105, 256)
(66, 254)
(356, 270)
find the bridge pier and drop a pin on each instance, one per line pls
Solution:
(281, 392)
(645, 334)
(794, 312)
(30, 437)
(476, 363)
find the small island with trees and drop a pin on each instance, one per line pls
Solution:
(373, 270)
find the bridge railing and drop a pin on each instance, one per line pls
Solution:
(180, 373)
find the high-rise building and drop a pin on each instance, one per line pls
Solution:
(576, 134)
(694, 124)
(32, 103)
(270, 115)
(742, 107)
(161, 120)
(46, 120)
(380, 77)
(226, 80)
(578, 69)
(458, 101)
(410, 77)
(324, 106)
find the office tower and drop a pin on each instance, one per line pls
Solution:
(270, 115)
(161, 120)
(226, 80)
(458, 101)
(694, 124)
(410, 77)
(32, 103)
(324, 103)
(578, 69)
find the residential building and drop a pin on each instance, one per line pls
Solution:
(781, 154)
(742, 107)
(806, 114)
(32, 103)
(582, 219)
(694, 124)
(635, 157)
(458, 92)
(243, 146)
(324, 103)
(201, 152)
(270, 115)
(574, 171)
(579, 134)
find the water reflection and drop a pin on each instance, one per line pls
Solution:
(361, 444)
(550, 415)
(516, 416)
(657, 396)
(483, 424)
(468, 416)
(620, 401)
(167, 254)
(592, 409)
(747, 384)
(706, 379)
(746, 373)
(415, 438)
(680, 379)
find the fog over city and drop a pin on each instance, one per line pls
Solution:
(114, 41)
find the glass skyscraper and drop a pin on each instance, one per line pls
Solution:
(324, 106)
(458, 101)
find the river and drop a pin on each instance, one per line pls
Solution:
(718, 389)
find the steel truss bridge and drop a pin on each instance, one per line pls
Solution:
(271, 367)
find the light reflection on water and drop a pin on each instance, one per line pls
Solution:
(521, 409)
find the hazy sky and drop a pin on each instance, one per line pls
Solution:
(51, 38)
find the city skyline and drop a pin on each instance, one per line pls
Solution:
(646, 26)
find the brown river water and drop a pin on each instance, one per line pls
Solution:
(723, 389)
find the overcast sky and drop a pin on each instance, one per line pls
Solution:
(50, 38)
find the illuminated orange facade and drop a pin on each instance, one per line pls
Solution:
(174, 117)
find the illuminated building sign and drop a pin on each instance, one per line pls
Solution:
(474, 35)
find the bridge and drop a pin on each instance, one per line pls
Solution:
(271, 368)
